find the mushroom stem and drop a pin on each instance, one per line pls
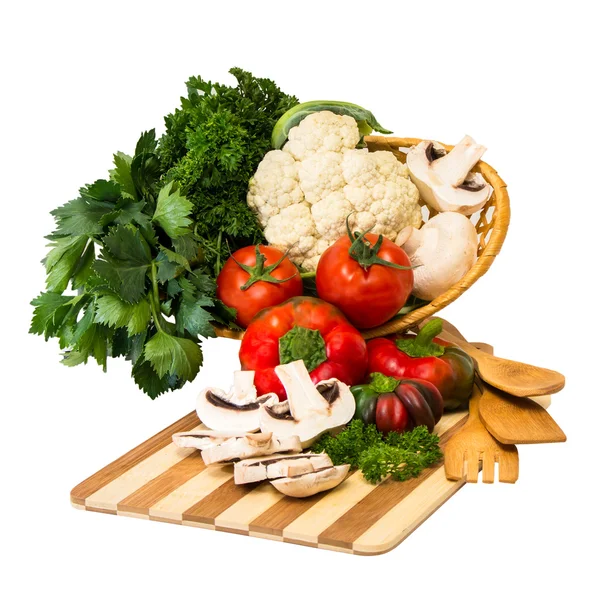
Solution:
(454, 167)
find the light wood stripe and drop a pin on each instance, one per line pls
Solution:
(142, 499)
(402, 519)
(133, 457)
(186, 496)
(244, 511)
(133, 479)
(383, 497)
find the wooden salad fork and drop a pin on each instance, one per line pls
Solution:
(473, 446)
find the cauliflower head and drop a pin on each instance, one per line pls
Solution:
(303, 193)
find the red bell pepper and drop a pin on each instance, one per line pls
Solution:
(424, 356)
(303, 328)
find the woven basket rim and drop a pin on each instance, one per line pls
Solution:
(499, 229)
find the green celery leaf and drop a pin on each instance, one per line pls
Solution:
(124, 262)
(101, 190)
(114, 312)
(191, 315)
(150, 383)
(173, 356)
(122, 175)
(170, 264)
(62, 260)
(84, 268)
(172, 212)
(187, 246)
(81, 216)
(146, 173)
(146, 143)
(50, 311)
(121, 344)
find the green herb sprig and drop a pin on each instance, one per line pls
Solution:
(399, 455)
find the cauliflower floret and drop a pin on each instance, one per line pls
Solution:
(396, 206)
(274, 186)
(330, 216)
(388, 166)
(294, 229)
(320, 174)
(321, 132)
(304, 194)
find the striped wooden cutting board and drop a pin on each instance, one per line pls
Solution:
(160, 482)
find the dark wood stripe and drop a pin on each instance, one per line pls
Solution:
(218, 501)
(92, 484)
(281, 514)
(149, 494)
(377, 503)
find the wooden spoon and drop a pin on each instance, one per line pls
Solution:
(514, 420)
(516, 378)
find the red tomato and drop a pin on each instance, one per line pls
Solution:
(257, 277)
(390, 414)
(367, 295)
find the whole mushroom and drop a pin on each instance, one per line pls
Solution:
(442, 251)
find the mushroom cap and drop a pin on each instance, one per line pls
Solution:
(302, 486)
(444, 249)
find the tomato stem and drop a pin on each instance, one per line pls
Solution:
(259, 272)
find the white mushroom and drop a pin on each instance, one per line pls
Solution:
(442, 251)
(272, 467)
(236, 410)
(309, 410)
(302, 486)
(444, 179)
(223, 446)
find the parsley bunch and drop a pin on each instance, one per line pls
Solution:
(139, 284)
(400, 455)
(211, 149)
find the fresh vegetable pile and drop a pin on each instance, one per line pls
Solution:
(254, 211)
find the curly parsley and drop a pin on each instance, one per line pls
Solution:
(399, 455)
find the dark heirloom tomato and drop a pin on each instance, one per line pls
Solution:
(367, 276)
(398, 405)
(257, 277)
(307, 329)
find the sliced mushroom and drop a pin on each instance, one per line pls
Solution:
(272, 467)
(237, 409)
(309, 410)
(203, 438)
(248, 445)
(309, 484)
(444, 179)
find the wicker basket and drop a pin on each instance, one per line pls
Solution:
(492, 225)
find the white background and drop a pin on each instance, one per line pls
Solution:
(81, 80)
